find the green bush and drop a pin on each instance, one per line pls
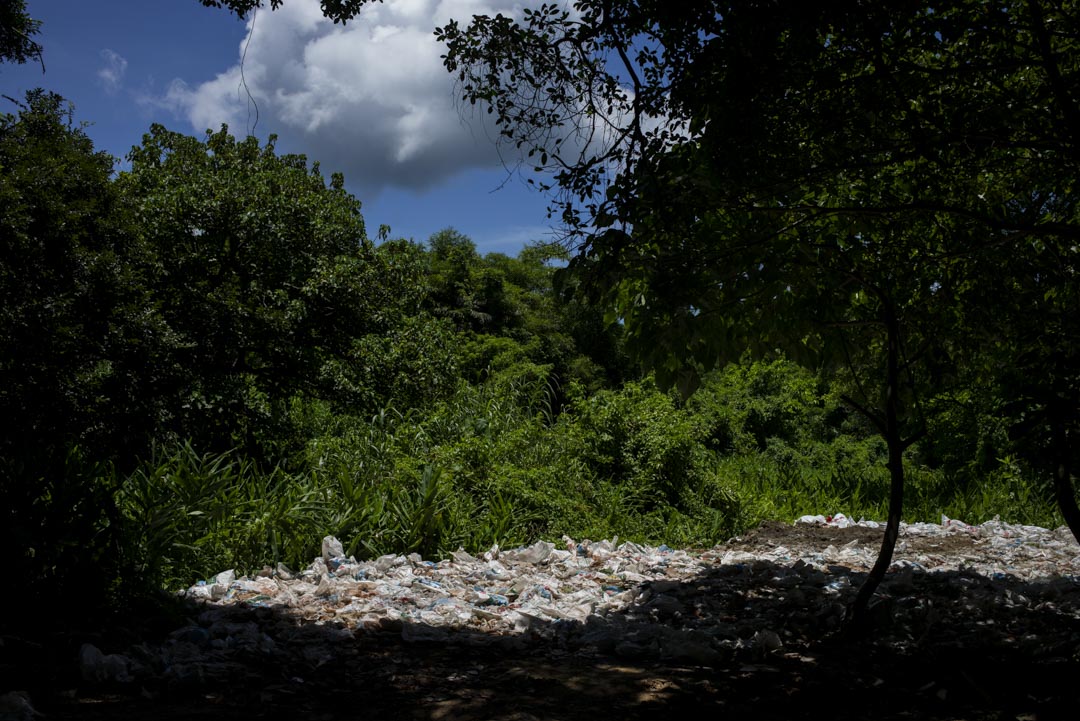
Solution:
(491, 465)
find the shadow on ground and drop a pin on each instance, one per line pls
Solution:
(755, 640)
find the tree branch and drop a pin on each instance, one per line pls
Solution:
(876, 419)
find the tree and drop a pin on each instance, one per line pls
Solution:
(73, 326)
(340, 11)
(453, 266)
(1032, 315)
(507, 311)
(17, 29)
(265, 275)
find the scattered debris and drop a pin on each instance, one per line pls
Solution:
(760, 605)
(635, 600)
(97, 667)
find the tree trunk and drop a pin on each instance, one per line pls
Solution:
(1063, 486)
(856, 618)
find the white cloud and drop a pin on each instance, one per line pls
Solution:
(112, 72)
(371, 98)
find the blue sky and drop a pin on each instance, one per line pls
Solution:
(370, 100)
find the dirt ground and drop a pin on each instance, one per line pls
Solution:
(948, 645)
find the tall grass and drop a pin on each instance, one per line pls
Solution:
(784, 492)
(188, 512)
(494, 465)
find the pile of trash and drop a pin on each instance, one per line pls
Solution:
(772, 591)
(994, 548)
(501, 591)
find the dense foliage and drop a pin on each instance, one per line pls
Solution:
(213, 367)
(884, 191)
(17, 29)
(853, 234)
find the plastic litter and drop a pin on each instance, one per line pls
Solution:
(97, 667)
(748, 596)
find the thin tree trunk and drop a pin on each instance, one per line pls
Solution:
(1063, 486)
(857, 613)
